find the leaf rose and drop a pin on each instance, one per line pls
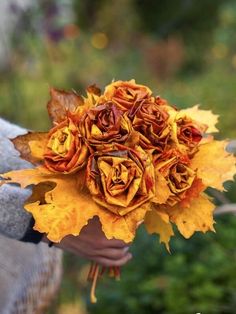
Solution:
(66, 151)
(120, 180)
(187, 134)
(104, 124)
(126, 93)
(174, 177)
(150, 119)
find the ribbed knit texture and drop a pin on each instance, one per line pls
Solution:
(29, 274)
(14, 220)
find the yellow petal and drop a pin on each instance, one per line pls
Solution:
(197, 217)
(214, 165)
(202, 116)
(155, 223)
(95, 131)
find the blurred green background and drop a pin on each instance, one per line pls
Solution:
(184, 50)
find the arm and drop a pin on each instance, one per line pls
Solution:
(14, 220)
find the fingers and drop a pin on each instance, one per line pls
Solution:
(109, 262)
(93, 232)
(113, 243)
(100, 241)
(92, 252)
(112, 254)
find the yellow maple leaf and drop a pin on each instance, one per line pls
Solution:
(214, 164)
(197, 217)
(202, 116)
(162, 190)
(67, 206)
(158, 222)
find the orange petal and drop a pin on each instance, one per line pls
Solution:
(155, 223)
(199, 217)
(214, 165)
(31, 146)
(203, 117)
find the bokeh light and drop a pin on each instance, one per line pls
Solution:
(99, 40)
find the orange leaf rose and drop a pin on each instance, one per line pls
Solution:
(105, 124)
(120, 179)
(188, 134)
(66, 151)
(125, 93)
(178, 176)
(150, 119)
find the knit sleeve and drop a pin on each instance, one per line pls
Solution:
(14, 220)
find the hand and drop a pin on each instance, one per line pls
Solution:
(93, 245)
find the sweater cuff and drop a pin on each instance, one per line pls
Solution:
(32, 235)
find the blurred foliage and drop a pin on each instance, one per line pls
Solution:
(185, 19)
(163, 44)
(198, 277)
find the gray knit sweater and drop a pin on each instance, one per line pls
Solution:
(29, 274)
(14, 220)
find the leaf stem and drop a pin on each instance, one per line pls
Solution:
(93, 298)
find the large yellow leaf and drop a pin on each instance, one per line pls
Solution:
(122, 227)
(156, 223)
(67, 206)
(31, 146)
(214, 165)
(197, 217)
(202, 116)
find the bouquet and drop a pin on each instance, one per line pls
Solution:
(127, 157)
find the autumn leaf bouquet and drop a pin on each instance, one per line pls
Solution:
(127, 157)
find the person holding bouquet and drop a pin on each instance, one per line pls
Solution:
(26, 260)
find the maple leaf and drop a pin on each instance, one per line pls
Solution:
(62, 205)
(193, 192)
(61, 103)
(158, 222)
(162, 190)
(202, 116)
(31, 146)
(197, 217)
(93, 89)
(214, 164)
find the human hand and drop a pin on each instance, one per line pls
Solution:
(93, 245)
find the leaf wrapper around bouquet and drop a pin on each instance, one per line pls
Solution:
(67, 207)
